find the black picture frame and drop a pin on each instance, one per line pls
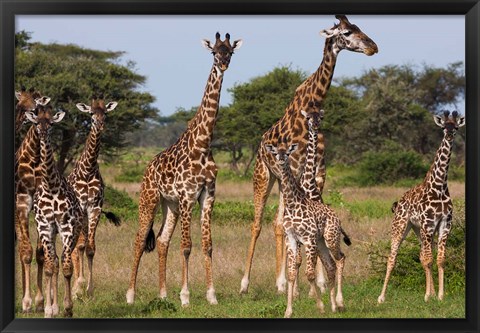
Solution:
(10, 8)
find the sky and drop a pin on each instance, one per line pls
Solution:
(167, 49)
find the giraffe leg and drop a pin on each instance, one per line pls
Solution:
(311, 259)
(400, 229)
(426, 258)
(280, 248)
(329, 264)
(40, 257)
(46, 233)
(443, 233)
(78, 263)
(291, 249)
(69, 239)
(54, 286)
(93, 219)
(262, 185)
(298, 263)
(149, 200)
(170, 216)
(333, 245)
(23, 206)
(320, 278)
(186, 206)
(207, 199)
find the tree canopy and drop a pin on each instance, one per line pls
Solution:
(70, 74)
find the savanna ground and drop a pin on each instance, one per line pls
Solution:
(365, 215)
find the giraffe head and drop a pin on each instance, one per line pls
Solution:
(450, 125)
(282, 151)
(98, 110)
(27, 101)
(44, 119)
(349, 37)
(222, 51)
(314, 115)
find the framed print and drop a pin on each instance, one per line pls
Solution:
(339, 121)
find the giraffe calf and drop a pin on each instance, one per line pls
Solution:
(427, 208)
(57, 210)
(316, 226)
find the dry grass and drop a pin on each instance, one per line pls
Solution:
(113, 259)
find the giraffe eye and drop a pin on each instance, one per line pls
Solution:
(347, 33)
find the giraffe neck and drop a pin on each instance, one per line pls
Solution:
(29, 150)
(87, 163)
(202, 125)
(49, 173)
(438, 173)
(307, 180)
(315, 87)
(290, 190)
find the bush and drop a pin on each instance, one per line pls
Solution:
(120, 203)
(387, 167)
(132, 174)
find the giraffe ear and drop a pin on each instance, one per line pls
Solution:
(271, 149)
(461, 121)
(42, 100)
(110, 106)
(327, 33)
(206, 44)
(18, 94)
(292, 148)
(31, 116)
(83, 107)
(58, 116)
(237, 44)
(439, 120)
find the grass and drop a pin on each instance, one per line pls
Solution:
(365, 214)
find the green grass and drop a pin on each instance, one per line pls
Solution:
(360, 302)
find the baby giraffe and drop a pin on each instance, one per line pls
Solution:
(313, 224)
(57, 210)
(427, 208)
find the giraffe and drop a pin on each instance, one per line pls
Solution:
(427, 208)
(57, 210)
(342, 36)
(178, 177)
(314, 114)
(88, 184)
(27, 159)
(313, 224)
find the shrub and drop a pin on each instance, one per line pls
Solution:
(120, 203)
(387, 167)
(132, 174)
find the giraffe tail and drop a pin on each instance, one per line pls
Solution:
(150, 242)
(346, 239)
(112, 218)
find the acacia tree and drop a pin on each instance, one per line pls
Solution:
(69, 74)
(256, 105)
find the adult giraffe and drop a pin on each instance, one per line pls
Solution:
(342, 36)
(27, 163)
(180, 176)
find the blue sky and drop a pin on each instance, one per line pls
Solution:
(167, 49)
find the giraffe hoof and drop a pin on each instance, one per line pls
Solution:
(26, 305)
(381, 299)
(244, 286)
(68, 313)
(130, 296)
